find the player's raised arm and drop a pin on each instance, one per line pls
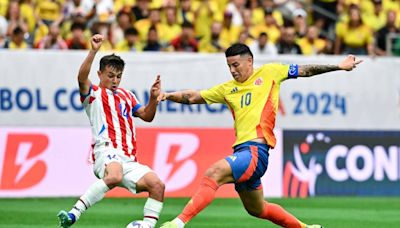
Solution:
(83, 75)
(348, 64)
(184, 97)
(148, 112)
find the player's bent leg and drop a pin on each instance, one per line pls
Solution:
(151, 183)
(218, 174)
(221, 172)
(253, 201)
(113, 174)
(256, 206)
(112, 177)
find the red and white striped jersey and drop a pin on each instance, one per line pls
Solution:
(111, 117)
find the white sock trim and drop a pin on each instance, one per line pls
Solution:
(151, 211)
(92, 195)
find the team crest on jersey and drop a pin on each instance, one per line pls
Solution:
(234, 90)
(258, 82)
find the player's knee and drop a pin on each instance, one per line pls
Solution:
(158, 186)
(113, 179)
(215, 172)
(156, 189)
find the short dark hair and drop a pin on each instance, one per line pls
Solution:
(78, 25)
(187, 24)
(131, 31)
(238, 49)
(17, 31)
(113, 61)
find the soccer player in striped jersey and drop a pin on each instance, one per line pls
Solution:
(252, 96)
(111, 110)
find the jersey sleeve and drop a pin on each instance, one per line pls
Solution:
(281, 72)
(214, 94)
(86, 99)
(135, 102)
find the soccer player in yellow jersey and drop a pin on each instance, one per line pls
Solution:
(252, 97)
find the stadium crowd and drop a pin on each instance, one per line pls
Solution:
(306, 27)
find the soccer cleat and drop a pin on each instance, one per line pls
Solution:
(314, 226)
(170, 224)
(66, 219)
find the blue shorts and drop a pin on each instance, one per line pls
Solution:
(249, 163)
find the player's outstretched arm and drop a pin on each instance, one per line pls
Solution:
(348, 64)
(148, 112)
(184, 97)
(83, 75)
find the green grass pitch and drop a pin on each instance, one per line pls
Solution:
(353, 212)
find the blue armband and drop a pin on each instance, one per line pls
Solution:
(293, 71)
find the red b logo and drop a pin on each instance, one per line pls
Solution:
(21, 167)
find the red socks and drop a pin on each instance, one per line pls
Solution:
(204, 195)
(279, 216)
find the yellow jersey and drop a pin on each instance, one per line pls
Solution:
(253, 103)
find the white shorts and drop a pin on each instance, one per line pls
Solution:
(132, 171)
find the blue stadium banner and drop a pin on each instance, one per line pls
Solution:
(352, 163)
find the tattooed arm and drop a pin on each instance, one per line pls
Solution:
(184, 97)
(348, 64)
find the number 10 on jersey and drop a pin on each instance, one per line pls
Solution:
(245, 100)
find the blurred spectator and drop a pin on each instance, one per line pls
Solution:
(15, 19)
(100, 11)
(185, 13)
(205, 12)
(3, 7)
(269, 26)
(131, 41)
(75, 8)
(262, 46)
(141, 9)
(311, 44)
(212, 43)
(53, 40)
(172, 28)
(17, 40)
(186, 41)
(236, 7)
(256, 12)
(78, 40)
(27, 13)
(300, 22)
(49, 11)
(3, 30)
(247, 20)
(287, 43)
(381, 35)
(154, 19)
(377, 19)
(353, 37)
(152, 40)
(229, 33)
(103, 28)
(325, 15)
(124, 20)
(287, 7)
(269, 6)
(245, 38)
